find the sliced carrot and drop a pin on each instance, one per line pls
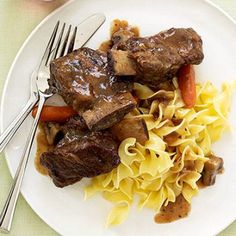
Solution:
(56, 114)
(187, 86)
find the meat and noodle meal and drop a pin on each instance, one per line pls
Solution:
(137, 122)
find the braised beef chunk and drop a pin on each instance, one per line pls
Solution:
(134, 127)
(105, 113)
(81, 154)
(211, 168)
(159, 57)
(85, 82)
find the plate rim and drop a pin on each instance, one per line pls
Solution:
(6, 82)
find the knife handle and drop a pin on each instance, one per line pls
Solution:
(8, 134)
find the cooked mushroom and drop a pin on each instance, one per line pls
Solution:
(53, 132)
(211, 168)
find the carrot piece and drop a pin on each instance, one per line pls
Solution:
(56, 114)
(187, 86)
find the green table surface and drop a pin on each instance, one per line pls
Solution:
(17, 19)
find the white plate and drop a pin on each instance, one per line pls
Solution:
(64, 209)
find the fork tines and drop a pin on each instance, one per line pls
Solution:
(64, 40)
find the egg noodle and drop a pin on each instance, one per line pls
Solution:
(172, 160)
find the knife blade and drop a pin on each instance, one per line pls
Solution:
(87, 28)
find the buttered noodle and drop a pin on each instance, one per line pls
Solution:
(172, 160)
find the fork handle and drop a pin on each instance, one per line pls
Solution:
(10, 205)
(7, 135)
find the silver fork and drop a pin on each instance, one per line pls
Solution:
(53, 50)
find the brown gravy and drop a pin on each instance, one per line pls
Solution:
(172, 137)
(116, 26)
(105, 46)
(200, 184)
(173, 211)
(42, 146)
(123, 25)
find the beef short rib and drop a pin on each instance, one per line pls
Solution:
(85, 82)
(80, 154)
(157, 58)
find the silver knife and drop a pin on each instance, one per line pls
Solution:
(85, 30)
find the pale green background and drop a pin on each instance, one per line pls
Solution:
(17, 20)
